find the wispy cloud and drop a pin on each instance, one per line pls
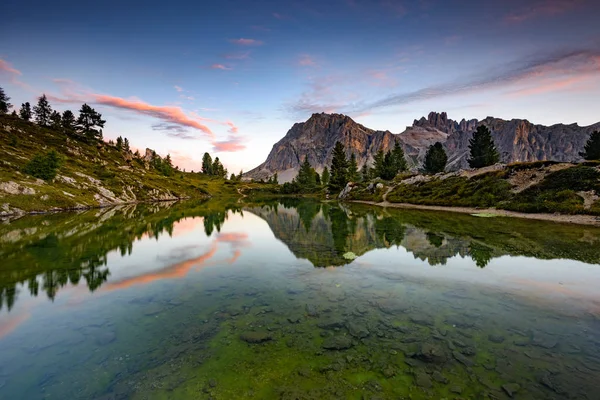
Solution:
(13, 74)
(560, 63)
(178, 88)
(7, 68)
(246, 42)
(221, 67)
(543, 8)
(175, 131)
(306, 60)
(232, 144)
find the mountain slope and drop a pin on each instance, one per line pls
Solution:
(517, 140)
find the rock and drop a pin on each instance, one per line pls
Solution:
(421, 320)
(304, 372)
(256, 337)
(337, 343)
(496, 338)
(432, 353)
(511, 388)
(15, 188)
(357, 329)
(349, 256)
(462, 359)
(330, 324)
(438, 377)
(295, 319)
(379, 186)
(212, 383)
(389, 372)
(346, 191)
(311, 310)
(456, 389)
(423, 380)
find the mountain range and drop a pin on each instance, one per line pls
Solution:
(517, 140)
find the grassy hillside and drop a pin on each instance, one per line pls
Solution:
(540, 187)
(90, 175)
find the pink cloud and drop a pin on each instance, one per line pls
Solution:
(306, 61)
(261, 28)
(178, 88)
(571, 83)
(543, 8)
(232, 144)
(6, 67)
(246, 42)
(221, 67)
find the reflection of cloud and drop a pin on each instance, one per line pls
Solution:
(181, 269)
(14, 321)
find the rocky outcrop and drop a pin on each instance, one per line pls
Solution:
(517, 140)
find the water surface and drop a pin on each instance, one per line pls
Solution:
(296, 300)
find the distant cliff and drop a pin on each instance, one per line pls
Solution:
(517, 140)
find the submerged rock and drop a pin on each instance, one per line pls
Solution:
(432, 353)
(333, 323)
(496, 338)
(256, 337)
(462, 359)
(357, 330)
(511, 388)
(423, 380)
(337, 343)
(311, 310)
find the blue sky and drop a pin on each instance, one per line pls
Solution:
(231, 77)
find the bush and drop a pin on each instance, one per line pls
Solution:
(44, 166)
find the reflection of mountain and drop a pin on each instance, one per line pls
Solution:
(50, 251)
(324, 233)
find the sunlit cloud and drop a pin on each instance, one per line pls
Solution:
(6, 69)
(232, 144)
(306, 61)
(221, 67)
(237, 56)
(178, 88)
(246, 42)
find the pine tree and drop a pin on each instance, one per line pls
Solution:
(126, 145)
(339, 169)
(379, 164)
(306, 177)
(168, 160)
(591, 151)
(435, 159)
(483, 150)
(25, 111)
(42, 111)
(207, 164)
(4, 102)
(353, 175)
(232, 177)
(275, 178)
(325, 177)
(90, 123)
(364, 172)
(239, 177)
(398, 157)
(218, 169)
(119, 143)
(55, 120)
(68, 121)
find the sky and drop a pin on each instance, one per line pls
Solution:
(231, 77)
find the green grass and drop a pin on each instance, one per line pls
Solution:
(556, 193)
(21, 141)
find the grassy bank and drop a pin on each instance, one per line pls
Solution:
(540, 187)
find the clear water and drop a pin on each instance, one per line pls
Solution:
(296, 300)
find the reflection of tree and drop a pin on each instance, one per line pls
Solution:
(68, 247)
(481, 254)
(339, 229)
(434, 239)
(390, 230)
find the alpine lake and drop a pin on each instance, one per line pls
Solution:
(296, 299)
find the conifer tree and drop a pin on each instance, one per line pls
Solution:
(483, 151)
(25, 111)
(55, 120)
(435, 159)
(4, 102)
(275, 178)
(398, 158)
(306, 176)
(207, 164)
(353, 175)
(126, 145)
(90, 123)
(42, 111)
(591, 151)
(379, 163)
(68, 121)
(325, 177)
(364, 172)
(339, 169)
(119, 143)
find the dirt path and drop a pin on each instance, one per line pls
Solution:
(571, 219)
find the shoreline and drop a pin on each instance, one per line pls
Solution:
(579, 219)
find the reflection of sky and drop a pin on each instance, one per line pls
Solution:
(246, 245)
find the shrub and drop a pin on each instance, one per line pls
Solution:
(44, 166)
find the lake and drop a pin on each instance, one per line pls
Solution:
(296, 300)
